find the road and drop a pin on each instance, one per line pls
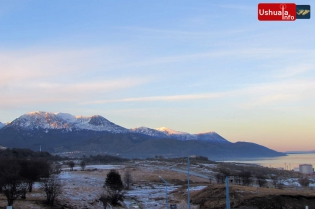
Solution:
(192, 173)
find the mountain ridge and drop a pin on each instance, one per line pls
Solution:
(62, 132)
(169, 133)
(68, 122)
(65, 121)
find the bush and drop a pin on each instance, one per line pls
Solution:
(71, 164)
(52, 187)
(113, 187)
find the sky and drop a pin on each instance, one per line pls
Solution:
(192, 66)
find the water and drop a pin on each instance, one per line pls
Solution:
(288, 162)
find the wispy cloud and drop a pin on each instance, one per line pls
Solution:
(233, 54)
(45, 93)
(255, 95)
(39, 63)
(36, 76)
(162, 33)
(296, 70)
(160, 98)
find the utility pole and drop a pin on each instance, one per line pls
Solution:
(166, 191)
(188, 192)
(227, 192)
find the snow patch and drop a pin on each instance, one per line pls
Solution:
(48, 120)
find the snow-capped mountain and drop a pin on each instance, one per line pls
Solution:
(1, 125)
(149, 132)
(165, 132)
(47, 121)
(177, 134)
(62, 132)
(64, 121)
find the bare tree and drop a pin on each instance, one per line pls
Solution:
(33, 170)
(222, 174)
(261, 180)
(127, 179)
(304, 181)
(83, 165)
(278, 181)
(220, 177)
(10, 181)
(71, 164)
(23, 187)
(52, 187)
(246, 178)
(237, 179)
(55, 169)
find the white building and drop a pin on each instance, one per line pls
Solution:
(306, 168)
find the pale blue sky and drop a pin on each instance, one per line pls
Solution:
(192, 66)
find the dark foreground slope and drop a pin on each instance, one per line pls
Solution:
(127, 144)
(242, 197)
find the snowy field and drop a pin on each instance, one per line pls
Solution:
(82, 189)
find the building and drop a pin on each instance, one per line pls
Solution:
(306, 168)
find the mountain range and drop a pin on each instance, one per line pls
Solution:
(61, 132)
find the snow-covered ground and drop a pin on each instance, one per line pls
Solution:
(82, 189)
(100, 167)
(149, 195)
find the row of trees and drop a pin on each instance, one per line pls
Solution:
(246, 178)
(71, 164)
(17, 177)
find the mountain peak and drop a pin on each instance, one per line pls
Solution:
(48, 120)
(149, 131)
(98, 120)
(165, 132)
(207, 132)
(170, 131)
(36, 113)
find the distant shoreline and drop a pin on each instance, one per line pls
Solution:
(300, 152)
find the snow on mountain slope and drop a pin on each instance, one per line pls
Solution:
(48, 120)
(1, 125)
(210, 136)
(149, 132)
(165, 132)
(64, 121)
(170, 131)
(177, 134)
